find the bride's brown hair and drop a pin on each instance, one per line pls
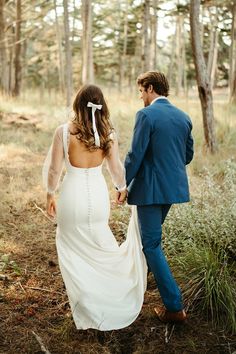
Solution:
(83, 118)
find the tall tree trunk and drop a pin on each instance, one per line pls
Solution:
(120, 77)
(3, 52)
(87, 67)
(24, 64)
(130, 74)
(213, 51)
(16, 90)
(73, 25)
(68, 55)
(204, 87)
(213, 72)
(172, 56)
(232, 73)
(138, 55)
(11, 62)
(184, 71)
(146, 37)
(179, 54)
(60, 66)
(154, 35)
(123, 38)
(124, 51)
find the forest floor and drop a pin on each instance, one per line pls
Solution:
(34, 309)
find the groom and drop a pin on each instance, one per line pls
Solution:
(156, 177)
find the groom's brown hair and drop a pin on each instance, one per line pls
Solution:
(158, 81)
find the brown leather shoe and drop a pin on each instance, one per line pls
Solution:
(166, 316)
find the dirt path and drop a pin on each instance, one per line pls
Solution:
(33, 302)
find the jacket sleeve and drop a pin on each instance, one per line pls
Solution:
(189, 147)
(140, 140)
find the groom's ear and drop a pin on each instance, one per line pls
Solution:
(150, 88)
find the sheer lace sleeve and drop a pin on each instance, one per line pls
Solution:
(53, 164)
(115, 166)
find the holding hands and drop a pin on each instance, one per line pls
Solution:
(121, 196)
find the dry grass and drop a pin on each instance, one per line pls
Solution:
(32, 295)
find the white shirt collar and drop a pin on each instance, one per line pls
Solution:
(159, 98)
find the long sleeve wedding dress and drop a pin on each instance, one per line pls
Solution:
(105, 282)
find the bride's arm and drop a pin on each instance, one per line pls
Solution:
(52, 169)
(116, 169)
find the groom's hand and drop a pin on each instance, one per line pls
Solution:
(121, 197)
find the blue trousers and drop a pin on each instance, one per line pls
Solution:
(151, 218)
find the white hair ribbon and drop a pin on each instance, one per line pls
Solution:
(94, 107)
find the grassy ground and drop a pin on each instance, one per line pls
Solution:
(33, 301)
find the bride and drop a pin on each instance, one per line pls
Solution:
(105, 282)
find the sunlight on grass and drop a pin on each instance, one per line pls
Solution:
(191, 229)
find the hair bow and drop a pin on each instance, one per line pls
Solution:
(95, 132)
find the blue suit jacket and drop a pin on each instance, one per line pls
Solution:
(161, 148)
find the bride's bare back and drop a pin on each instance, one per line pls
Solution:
(79, 155)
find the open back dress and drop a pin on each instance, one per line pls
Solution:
(105, 281)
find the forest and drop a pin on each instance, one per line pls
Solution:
(48, 50)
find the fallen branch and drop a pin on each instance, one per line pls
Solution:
(12, 224)
(43, 212)
(19, 283)
(42, 346)
(167, 335)
(42, 289)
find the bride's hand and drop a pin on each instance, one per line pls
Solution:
(121, 197)
(51, 205)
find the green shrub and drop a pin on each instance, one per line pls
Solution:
(199, 239)
(209, 218)
(210, 285)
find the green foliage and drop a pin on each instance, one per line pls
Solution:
(210, 283)
(117, 36)
(211, 215)
(201, 245)
(7, 264)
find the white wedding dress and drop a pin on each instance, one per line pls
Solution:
(105, 282)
